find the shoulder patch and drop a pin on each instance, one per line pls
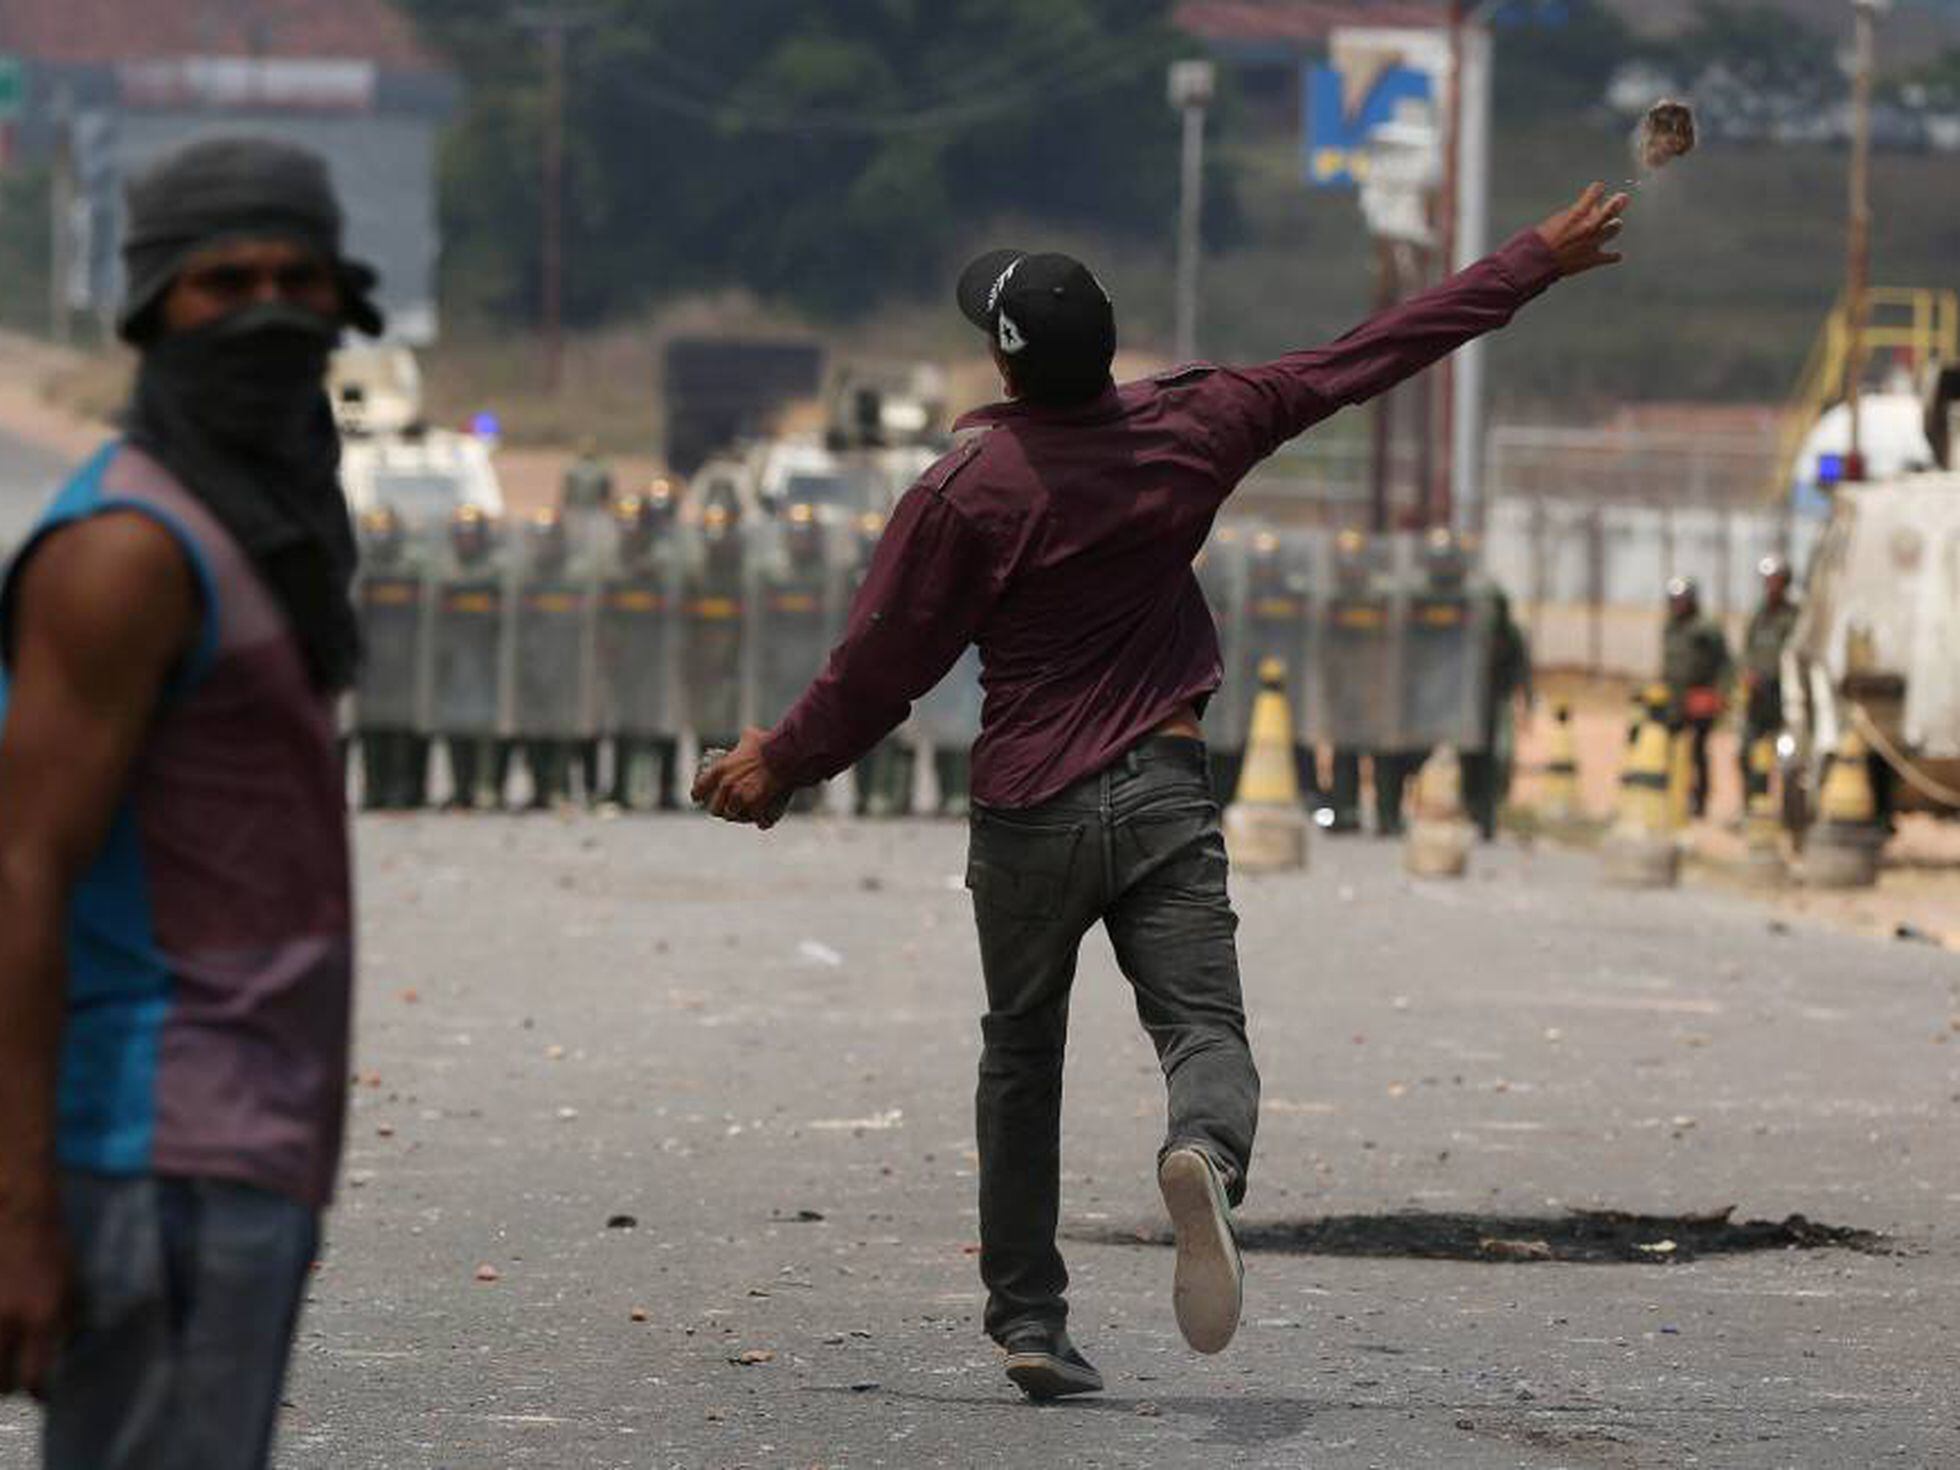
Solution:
(966, 444)
(1189, 373)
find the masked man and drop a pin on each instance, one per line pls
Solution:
(175, 914)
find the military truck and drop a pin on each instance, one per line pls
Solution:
(391, 458)
(1874, 649)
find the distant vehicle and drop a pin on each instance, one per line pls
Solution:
(765, 480)
(1892, 438)
(389, 455)
(375, 390)
(722, 392)
(423, 477)
(1874, 648)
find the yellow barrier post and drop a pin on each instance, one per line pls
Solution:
(1843, 848)
(1641, 850)
(1266, 825)
(1440, 835)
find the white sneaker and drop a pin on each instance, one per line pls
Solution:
(1208, 1290)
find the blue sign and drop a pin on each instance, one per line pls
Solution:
(1335, 142)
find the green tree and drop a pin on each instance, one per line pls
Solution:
(1558, 70)
(1762, 47)
(828, 152)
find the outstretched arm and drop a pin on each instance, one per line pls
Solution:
(930, 584)
(1259, 408)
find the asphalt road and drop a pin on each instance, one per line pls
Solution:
(761, 1051)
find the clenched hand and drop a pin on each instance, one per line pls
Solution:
(740, 787)
(1578, 236)
(36, 1284)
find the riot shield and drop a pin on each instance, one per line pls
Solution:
(1355, 694)
(1445, 669)
(467, 676)
(638, 641)
(1221, 573)
(1277, 620)
(714, 617)
(797, 608)
(948, 718)
(390, 689)
(551, 686)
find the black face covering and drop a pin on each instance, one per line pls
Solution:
(237, 411)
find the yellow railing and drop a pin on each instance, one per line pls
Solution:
(1921, 322)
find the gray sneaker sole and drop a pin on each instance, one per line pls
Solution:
(1208, 1290)
(1045, 1376)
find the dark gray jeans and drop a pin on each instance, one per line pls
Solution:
(190, 1291)
(1137, 847)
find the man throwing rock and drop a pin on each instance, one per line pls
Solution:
(1058, 535)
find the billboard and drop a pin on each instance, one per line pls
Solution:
(1373, 75)
(1336, 141)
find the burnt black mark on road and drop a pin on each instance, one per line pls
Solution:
(1590, 1237)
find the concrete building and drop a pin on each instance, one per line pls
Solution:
(111, 83)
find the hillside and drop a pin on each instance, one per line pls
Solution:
(1906, 35)
(1733, 260)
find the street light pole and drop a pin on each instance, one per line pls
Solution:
(1192, 84)
(1466, 228)
(551, 23)
(1857, 265)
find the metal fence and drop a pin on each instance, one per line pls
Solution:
(1585, 528)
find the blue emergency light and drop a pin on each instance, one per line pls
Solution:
(1830, 469)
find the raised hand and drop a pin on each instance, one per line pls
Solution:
(1578, 236)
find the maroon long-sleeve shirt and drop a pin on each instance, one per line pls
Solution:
(1061, 542)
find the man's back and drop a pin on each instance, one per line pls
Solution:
(1099, 630)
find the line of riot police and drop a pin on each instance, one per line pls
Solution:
(590, 661)
(558, 663)
(1393, 646)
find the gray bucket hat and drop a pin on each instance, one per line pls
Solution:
(231, 188)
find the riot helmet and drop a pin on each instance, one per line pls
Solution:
(802, 533)
(1445, 558)
(546, 539)
(382, 534)
(633, 525)
(471, 533)
(662, 500)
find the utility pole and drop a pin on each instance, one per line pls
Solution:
(1857, 265)
(61, 219)
(1192, 84)
(1466, 229)
(551, 24)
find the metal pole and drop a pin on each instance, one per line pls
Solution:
(1382, 434)
(61, 209)
(551, 266)
(1190, 213)
(1857, 267)
(1436, 497)
(1467, 408)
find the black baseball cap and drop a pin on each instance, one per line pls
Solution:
(1049, 315)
